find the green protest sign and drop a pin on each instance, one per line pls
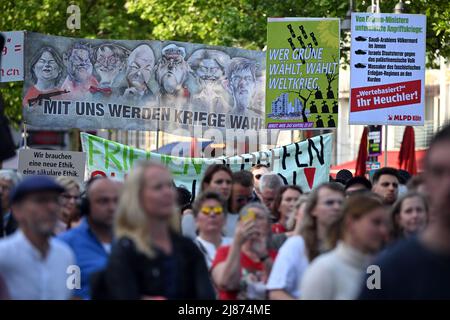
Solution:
(305, 163)
(302, 73)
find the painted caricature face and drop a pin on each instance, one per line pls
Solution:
(107, 65)
(140, 67)
(209, 70)
(46, 67)
(79, 65)
(171, 72)
(243, 86)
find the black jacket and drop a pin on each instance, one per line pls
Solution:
(10, 228)
(130, 274)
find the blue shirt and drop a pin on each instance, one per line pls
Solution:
(89, 253)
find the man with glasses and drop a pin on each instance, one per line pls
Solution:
(241, 75)
(33, 265)
(258, 170)
(91, 240)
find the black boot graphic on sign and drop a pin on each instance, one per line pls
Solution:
(319, 122)
(331, 123)
(313, 107)
(325, 107)
(335, 107)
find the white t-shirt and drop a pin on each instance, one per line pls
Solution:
(28, 276)
(289, 267)
(188, 228)
(336, 275)
(209, 249)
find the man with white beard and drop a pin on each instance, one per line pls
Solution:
(209, 66)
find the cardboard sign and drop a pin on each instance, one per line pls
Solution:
(52, 163)
(11, 61)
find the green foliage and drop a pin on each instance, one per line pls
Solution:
(239, 23)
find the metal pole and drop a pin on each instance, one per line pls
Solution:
(25, 135)
(385, 144)
(157, 139)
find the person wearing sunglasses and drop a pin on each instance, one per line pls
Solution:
(210, 219)
(217, 178)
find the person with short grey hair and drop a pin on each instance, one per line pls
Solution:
(269, 185)
(240, 270)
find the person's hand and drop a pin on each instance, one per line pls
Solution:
(244, 230)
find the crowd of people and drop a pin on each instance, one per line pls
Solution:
(245, 236)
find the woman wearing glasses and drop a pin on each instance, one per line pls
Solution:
(69, 216)
(210, 219)
(322, 209)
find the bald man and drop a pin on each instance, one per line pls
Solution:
(91, 240)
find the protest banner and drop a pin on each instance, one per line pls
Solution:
(387, 77)
(302, 73)
(52, 163)
(11, 62)
(141, 85)
(306, 163)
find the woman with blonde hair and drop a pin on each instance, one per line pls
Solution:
(150, 260)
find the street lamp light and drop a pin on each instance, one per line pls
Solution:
(399, 7)
(346, 23)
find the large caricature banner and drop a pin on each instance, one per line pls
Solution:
(141, 85)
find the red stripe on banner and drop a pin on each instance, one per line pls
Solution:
(386, 96)
(309, 174)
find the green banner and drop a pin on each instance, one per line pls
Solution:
(305, 163)
(302, 72)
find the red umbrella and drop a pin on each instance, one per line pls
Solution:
(362, 154)
(407, 154)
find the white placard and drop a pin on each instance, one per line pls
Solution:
(387, 77)
(52, 163)
(12, 57)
